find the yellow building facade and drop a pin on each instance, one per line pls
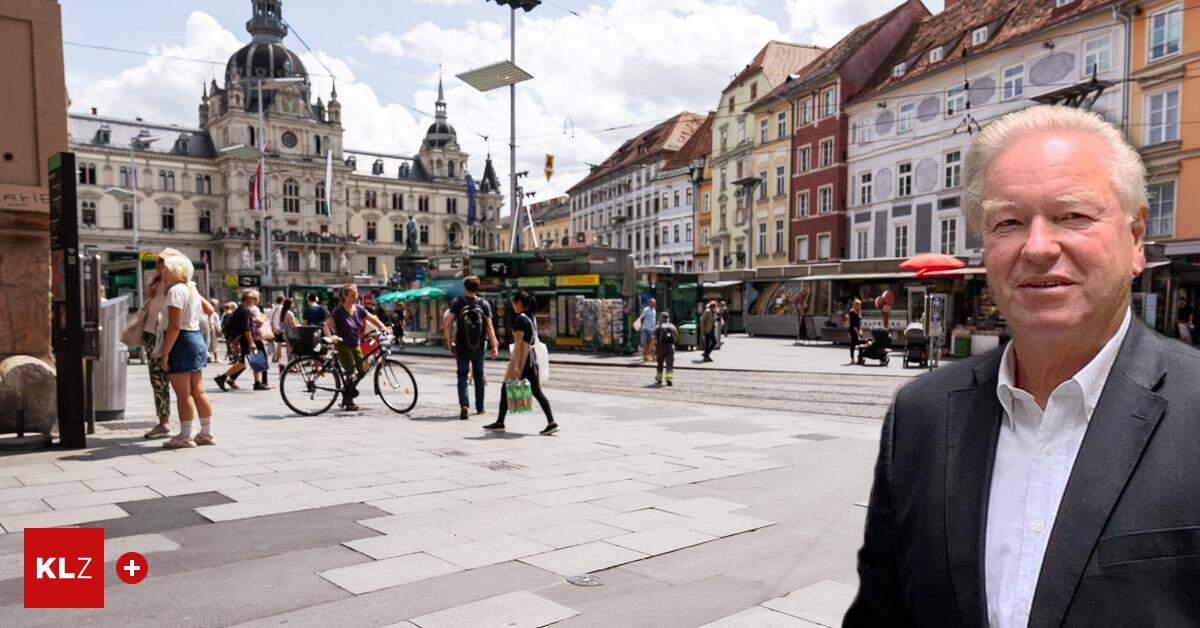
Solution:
(771, 159)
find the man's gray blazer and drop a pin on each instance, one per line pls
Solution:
(1125, 548)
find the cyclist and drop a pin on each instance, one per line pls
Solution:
(347, 319)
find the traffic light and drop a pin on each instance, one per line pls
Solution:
(528, 5)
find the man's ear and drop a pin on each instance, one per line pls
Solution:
(1137, 227)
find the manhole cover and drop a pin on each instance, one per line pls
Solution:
(502, 465)
(126, 425)
(585, 580)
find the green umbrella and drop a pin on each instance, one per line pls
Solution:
(428, 292)
(389, 297)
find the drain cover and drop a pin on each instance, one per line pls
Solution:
(585, 580)
(126, 425)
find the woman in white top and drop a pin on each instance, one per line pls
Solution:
(152, 304)
(185, 352)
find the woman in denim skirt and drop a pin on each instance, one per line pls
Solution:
(185, 352)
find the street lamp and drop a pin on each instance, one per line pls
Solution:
(498, 75)
(242, 151)
(141, 141)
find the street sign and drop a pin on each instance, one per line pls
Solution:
(231, 281)
(579, 280)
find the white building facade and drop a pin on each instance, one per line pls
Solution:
(909, 140)
(675, 223)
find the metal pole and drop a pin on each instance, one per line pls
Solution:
(262, 193)
(136, 253)
(512, 134)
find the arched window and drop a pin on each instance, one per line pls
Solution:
(423, 236)
(205, 220)
(317, 144)
(162, 179)
(291, 196)
(371, 231)
(450, 168)
(168, 218)
(252, 134)
(199, 184)
(397, 201)
(322, 207)
(87, 213)
(170, 181)
(453, 235)
(207, 184)
(126, 217)
(123, 177)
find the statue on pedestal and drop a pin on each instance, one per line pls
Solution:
(410, 235)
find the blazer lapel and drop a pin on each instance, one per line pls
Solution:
(1124, 420)
(973, 425)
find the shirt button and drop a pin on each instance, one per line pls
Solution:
(1047, 450)
(1039, 527)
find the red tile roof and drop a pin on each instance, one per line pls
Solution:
(665, 138)
(777, 59)
(698, 145)
(1008, 21)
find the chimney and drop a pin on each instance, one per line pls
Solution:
(93, 111)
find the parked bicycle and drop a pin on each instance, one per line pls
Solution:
(312, 383)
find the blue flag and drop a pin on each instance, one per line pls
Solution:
(470, 200)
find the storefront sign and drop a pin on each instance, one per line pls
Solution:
(568, 342)
(249, 281)
(496, 268)
(231, 281)
(579, 280)
(533, 282)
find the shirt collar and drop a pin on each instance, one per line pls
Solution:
(1090, 379)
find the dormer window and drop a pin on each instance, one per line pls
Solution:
(181, 145)
(352, 162)
(899, 69)
(377, 167)
(935, 55)
(104, 135)
(979, 36)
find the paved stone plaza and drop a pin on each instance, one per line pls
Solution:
(689, 513)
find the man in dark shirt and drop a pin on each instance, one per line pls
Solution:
(468, 339)
(240, 333)
(854, 324)
(314, 312)
(346, 320)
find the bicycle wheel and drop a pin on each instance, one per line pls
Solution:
(310, 385)
(395, 385)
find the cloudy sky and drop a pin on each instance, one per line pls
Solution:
(597, 64)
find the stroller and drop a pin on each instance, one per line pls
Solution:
(877, 349)
(916, 348)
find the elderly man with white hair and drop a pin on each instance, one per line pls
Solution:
(1054, 481)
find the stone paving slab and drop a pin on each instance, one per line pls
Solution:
(701, 506)
(644, 519)
(57, 518)
(519, 609)
(490, 551)
(392, 545)
(390, 572)
(568, 534)
(660, 540)
(760, 617)
(585, 558)
(823, 603)
(726, 524)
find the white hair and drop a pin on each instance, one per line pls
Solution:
(1125, 168)
(177, 269)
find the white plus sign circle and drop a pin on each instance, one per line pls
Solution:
(132, 567)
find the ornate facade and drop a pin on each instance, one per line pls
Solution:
(194, 194)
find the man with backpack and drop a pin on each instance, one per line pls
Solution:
(665, 336)
(468, 339)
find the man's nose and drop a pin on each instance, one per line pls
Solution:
(1042, 242)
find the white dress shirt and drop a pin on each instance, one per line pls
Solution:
(1034, 456)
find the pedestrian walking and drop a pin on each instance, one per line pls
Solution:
(854, 325)
(648, 317)
(468, 331)
(708, 327)
(314, 313)
(722, 322)
(522, 364)
(346, 321)
(263, 334)
(398, 324)
(210, 328)
(184, 354)
(665, 336)
(276, 341)
(152, 307)
(287, 322)
(240, 334)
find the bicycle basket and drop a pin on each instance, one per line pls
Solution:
(306, 340)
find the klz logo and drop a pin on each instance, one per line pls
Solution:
(64, 568)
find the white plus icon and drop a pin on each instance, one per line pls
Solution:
(132, 568)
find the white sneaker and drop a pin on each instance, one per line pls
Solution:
(158, 431)
(178, 442)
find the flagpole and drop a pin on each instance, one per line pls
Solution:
(262, 194)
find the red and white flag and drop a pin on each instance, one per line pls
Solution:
(256, 189)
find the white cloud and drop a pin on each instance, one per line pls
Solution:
(628, 61)
(824, 22)
(383, 43)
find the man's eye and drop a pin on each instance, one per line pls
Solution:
(1005, 224)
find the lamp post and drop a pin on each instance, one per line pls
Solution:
(746, 187)
(260, 152)
(141, 141)
(499, 75)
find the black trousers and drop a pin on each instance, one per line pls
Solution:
(854, 340)
(710, 342)
(531, 374)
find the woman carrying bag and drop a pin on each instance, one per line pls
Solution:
(183, 353)
(143, 329)
(523, 363)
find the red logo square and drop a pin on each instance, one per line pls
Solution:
(64, 568)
